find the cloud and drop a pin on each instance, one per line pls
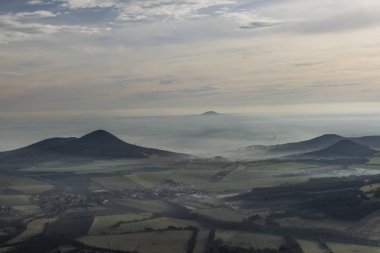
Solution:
(19, 26)
(151, 10)
(276, 54)
(37, 2)
(341, 22)
(25, 25)
(34, 15)
(249, 20)
(324, 16)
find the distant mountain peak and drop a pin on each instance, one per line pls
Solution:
(210, 113)
(99, 134)
(329, 136)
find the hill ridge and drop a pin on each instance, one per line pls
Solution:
(344, 148)
(98, 144)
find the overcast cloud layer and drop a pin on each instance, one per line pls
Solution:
(186, 56)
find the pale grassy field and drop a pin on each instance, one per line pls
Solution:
(155, 224)
(311, 246)
(374, 161)
(28, 209)
(103, 224)
(370, 188)
(15, 200)
(351, 248)
(33, 228)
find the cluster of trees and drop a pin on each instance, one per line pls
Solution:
(52, 243)
(12, 227)
(348, 204)
(334, 197)
(377, 193)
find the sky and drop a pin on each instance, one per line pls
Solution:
(164, 57)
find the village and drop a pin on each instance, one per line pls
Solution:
(56, 202)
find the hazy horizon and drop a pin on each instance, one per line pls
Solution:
(199, 135)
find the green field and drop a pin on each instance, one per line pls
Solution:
(372, 164)
(116, 183)
(196, 175)
(134, 224)
(262, 241)
(311, 246)
(28, 209)
(374, 161)
(150, 179)
(32, 188)
(370, 167)
(140, 179)
(2, 233)
(150, 206)
(148, 242)
(93, 167)
(103, 224)
(222, 213)
(352, 248)
(201, 244)
(33, 228)
(246, 239)
(264, 175)
(24, 184)
(5, 249)
(199, 178)
(14, 200)
(105, 166)
(244, 177)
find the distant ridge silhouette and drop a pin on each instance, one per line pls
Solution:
(345, 148)
(317, 143)
(210, 113)
(99, 144)
(102, 144)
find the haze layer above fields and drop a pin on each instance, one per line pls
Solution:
(207, 135)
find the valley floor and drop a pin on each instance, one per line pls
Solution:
(182, 205)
